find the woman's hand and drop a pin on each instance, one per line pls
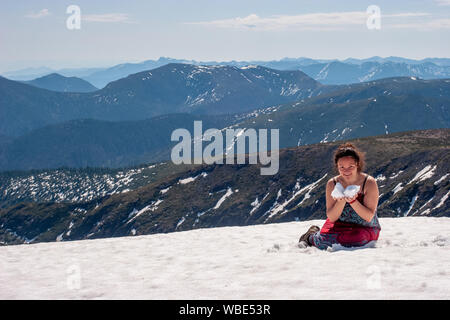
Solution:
(340, 200)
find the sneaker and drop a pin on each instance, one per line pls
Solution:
(303, 241)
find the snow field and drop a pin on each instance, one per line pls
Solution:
(409, 261)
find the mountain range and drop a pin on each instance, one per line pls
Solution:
(344, 73)
(411, 169)
(322, 114)
(172, 88)
(334, 71)
(359, 110)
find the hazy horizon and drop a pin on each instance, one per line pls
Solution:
(89, 66)
(36, 33)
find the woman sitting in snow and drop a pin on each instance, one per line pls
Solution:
(351, 201)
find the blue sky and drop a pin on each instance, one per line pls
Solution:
(33, 33)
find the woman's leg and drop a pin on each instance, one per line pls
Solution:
(323, 240)
(358, 236)
(345, 234)
(327, 236)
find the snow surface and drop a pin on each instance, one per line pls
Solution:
(409, 261)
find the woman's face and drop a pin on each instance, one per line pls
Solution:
(348, 167)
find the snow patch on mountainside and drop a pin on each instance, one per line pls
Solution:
(409, 261)
(65, 185)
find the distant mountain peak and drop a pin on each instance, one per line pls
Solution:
(53, 75)
(56, 82)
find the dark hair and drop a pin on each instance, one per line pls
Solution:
(348, 149)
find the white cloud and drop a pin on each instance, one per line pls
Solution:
(405, 15)
(303, 21)
(424, 26)
(40, 14)
(442, 2)
(311, 21)
(106, 17)
(330, 21)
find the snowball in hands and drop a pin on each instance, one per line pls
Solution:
(349, 192)
(338, 191)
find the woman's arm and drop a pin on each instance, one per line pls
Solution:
(334, 207)
(368, 208)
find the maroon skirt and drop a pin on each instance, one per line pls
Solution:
(344, 233)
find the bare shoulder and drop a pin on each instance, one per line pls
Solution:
(371, 183)
(371, 180)
(331, 181)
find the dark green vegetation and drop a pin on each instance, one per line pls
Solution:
(95, 143)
